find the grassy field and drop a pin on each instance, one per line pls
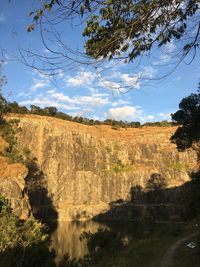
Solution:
(149, 251)
(187, 257)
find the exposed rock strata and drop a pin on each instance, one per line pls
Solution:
(87, 167)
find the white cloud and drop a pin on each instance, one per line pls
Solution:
(147, 118)
(120, 102)
(42, 101)
(178, 78)
(100, 94)
(109, 84)
(135, 113)
(148, 72)
(83, 78)
(130, 81)
(61, 75)
(165, 57)
(81, 104)
(169, 48)
(126, 113)
(165, 116)
(83, 112)
(60, 97)
(89, 100)
(38, 85)
(120, 81)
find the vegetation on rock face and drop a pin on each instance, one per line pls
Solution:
(8, 131)
(120, 168)
(3, 107)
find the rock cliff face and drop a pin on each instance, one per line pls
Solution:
(87, 167)
(12, 184)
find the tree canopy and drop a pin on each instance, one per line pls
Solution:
(117, 29)
(188, 117)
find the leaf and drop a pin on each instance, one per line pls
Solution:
(31, 27)
(30, 14)
(82, 9)
(36, 18)
(48, 6)
(187, 47)
(87, 5)
(40, 13)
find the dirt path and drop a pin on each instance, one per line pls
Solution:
(167, 260)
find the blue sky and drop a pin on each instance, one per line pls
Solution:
(97, 93)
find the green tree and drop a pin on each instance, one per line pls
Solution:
(21, 241)
(35, 109)
(128, 29)
(103, 242)
(14, 107)
(50, 111)
(188, 117)
(187, 136)
(3, 107)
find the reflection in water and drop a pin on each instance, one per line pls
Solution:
(65, 240)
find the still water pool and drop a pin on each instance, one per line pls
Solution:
(65, 239)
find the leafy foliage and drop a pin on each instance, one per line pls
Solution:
(103, 242)
(188, 136)
(188, 117)
(15, 233)
(67, 262)
(3, 107)
(15, 108)
(53, 112)
(8, 129)
(131, 28)
(22, 240)
(127, 29)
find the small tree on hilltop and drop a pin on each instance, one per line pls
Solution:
(3, 107)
